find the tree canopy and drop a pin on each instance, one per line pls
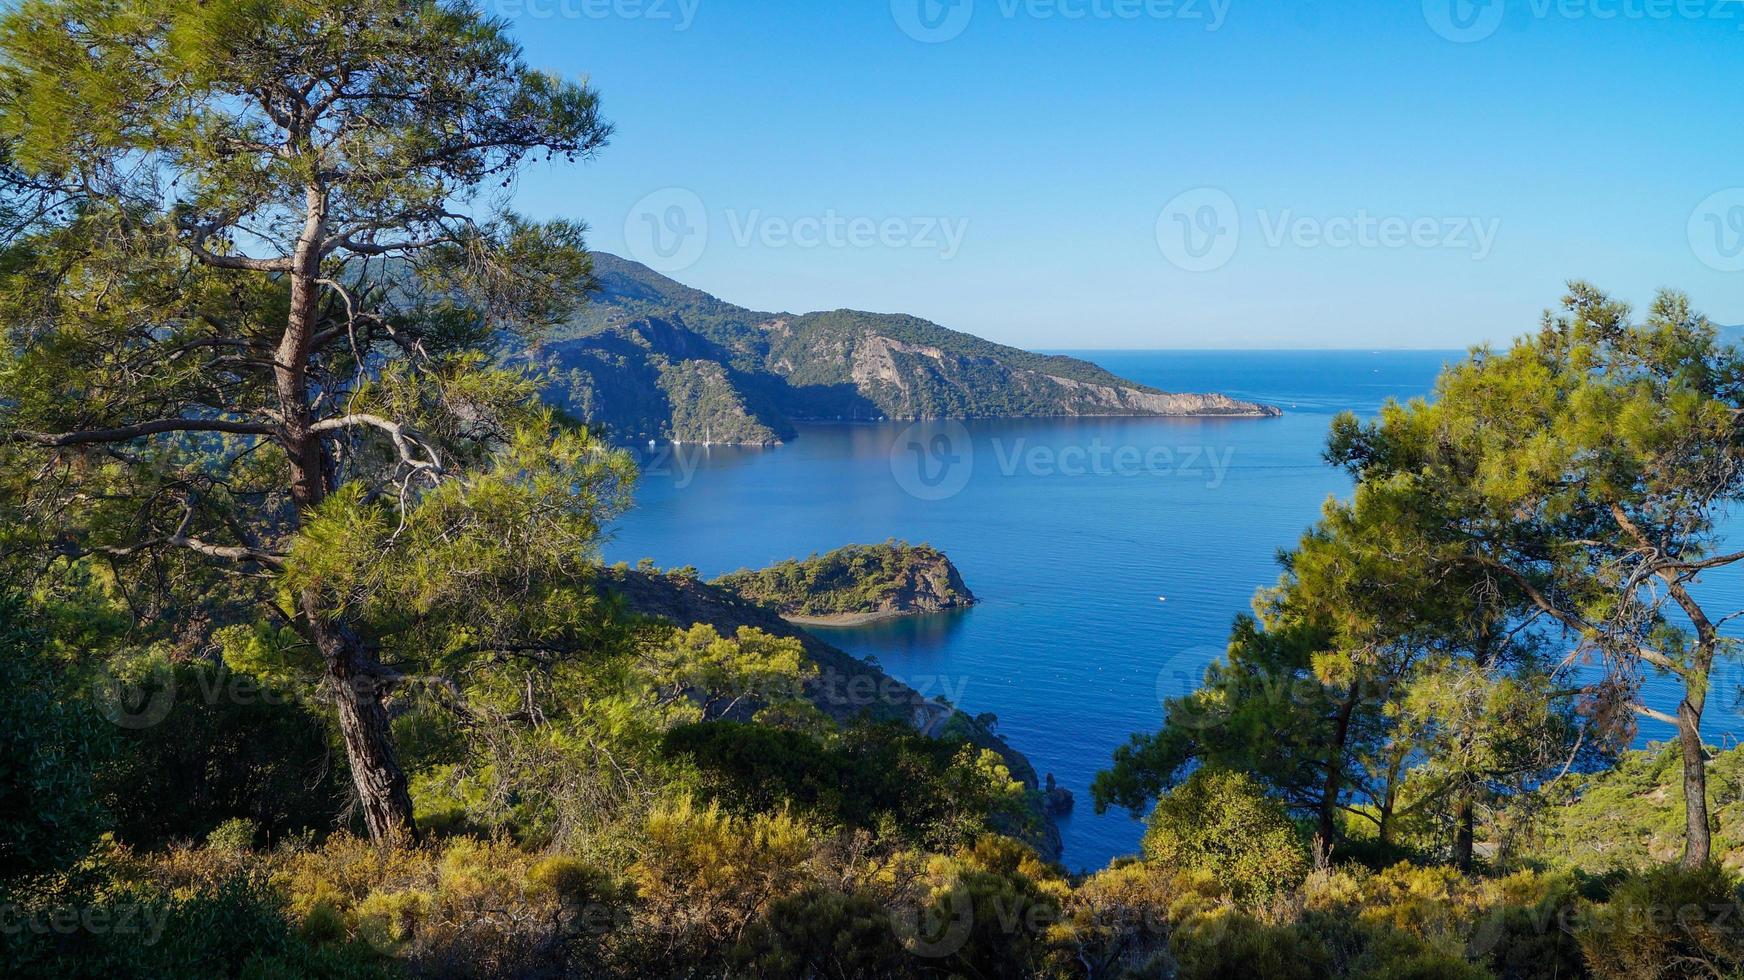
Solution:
(256, 261)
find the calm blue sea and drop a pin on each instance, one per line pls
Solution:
(1069, 531)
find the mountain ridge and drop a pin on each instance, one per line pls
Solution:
(652, 358)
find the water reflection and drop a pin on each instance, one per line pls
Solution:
(916, 639)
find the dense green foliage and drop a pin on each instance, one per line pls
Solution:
(1588, 467)
(885, 778)
(50, 745)
(249, 284)
(1631, 815)
(859, 579)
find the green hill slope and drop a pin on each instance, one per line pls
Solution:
(652, 358)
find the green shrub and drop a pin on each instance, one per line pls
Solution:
(235, 927)
(1118, 921)
(1529, 937)
(1221, 823)
(1225, 943)
(236, 834)
(1424, 964)
(704, 874)
(1667, 922)
(880, 777)
(828, 934)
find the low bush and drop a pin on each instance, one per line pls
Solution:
(1223, 824)
(1667, 922)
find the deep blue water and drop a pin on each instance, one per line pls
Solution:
(1069, 531)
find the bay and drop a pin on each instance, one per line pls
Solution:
(1110, 555)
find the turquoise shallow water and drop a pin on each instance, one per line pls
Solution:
(1069, 531)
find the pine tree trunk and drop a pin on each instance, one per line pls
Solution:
(357, 685)
(354, 678)
(1463, 836)
(1697, 843)
(1334, 773)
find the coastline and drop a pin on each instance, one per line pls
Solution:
(1274, 412)
(846, 620)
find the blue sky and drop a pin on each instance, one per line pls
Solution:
(1163, 173)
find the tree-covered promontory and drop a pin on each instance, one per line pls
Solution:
(856, 583)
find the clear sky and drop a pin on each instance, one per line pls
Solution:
(1163, 173)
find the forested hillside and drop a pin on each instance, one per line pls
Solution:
(650, 358)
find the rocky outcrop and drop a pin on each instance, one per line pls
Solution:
(1057, 800)
(930, 583)
(1138, 401)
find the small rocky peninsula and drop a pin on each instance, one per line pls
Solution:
(856, 584)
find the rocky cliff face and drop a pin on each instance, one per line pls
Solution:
(650, 358)
(930, 583)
